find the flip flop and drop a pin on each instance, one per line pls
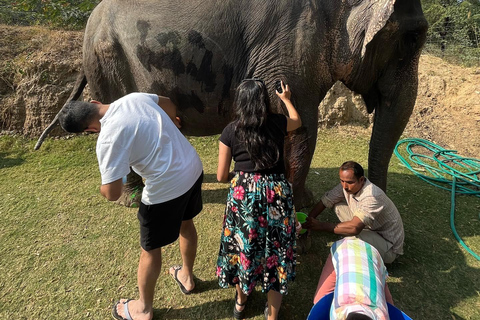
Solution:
(174, 276)
(125, 310)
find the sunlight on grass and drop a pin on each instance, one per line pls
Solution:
(68, 253)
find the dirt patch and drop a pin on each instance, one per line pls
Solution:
(40, 67)
(447, 110)
(36, 77)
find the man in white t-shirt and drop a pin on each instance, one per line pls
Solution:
(140, 131)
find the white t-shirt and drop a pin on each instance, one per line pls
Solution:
(136, 132)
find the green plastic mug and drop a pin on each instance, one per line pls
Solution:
(302, 218)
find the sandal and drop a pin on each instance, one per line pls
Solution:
(125, 310)
(175, 277)
(238, 314)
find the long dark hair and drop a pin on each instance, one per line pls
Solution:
(252, 106)
(357, 316)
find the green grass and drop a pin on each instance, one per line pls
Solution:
(67, 253)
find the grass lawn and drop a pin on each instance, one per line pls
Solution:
(67, 253)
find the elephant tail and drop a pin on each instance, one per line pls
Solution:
(76, 92)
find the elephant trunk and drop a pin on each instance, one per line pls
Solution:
(80, 84)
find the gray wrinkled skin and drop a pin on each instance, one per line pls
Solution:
(197, 52)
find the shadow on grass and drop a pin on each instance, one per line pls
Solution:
(433, 279)
(201, 311)
(6, 162)
(204, 286)
(220, 309)
(217, 195)
(210, 178)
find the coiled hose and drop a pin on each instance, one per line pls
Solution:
(442, 168)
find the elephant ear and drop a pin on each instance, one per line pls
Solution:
(366, 19)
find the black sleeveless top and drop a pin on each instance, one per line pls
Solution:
(277, 125)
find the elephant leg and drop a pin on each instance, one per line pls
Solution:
(110, 77)
(298, 155)
(392, 113)
(132, 191)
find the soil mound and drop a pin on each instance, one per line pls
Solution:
(447, 110)
(37, 75)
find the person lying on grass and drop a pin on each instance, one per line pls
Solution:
(355, 273)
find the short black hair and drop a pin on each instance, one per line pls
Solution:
(357, 316)
(358, 171)
(76, 116)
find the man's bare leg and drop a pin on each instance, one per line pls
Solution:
(188, 250)
(148, 271)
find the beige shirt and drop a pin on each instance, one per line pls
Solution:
(372, 206)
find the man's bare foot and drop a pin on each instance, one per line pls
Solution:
(185, 282)
(131, 309)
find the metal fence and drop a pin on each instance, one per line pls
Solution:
(454, 42)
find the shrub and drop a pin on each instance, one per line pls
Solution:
(71, 14)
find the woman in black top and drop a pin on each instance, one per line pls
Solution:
(258, 239)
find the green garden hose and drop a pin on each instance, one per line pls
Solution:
(444, 169)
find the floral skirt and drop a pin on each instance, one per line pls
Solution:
(258, 237)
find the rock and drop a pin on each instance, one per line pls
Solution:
(341, 106)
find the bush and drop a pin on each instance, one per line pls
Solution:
(72, 14)
(454, 30)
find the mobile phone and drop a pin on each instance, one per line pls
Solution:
(278, 86)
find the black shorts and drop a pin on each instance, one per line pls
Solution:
(160, 223)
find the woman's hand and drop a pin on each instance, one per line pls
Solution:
(286, 93)
(293, 118)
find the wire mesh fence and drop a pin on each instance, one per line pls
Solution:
(454, 41)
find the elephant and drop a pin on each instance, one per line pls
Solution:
(197, 52)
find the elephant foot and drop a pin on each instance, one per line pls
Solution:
(131, 197)
(304, 243)
(303, 199)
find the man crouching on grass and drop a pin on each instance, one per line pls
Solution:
(140, 131)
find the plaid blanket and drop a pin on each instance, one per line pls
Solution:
(360, 282)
